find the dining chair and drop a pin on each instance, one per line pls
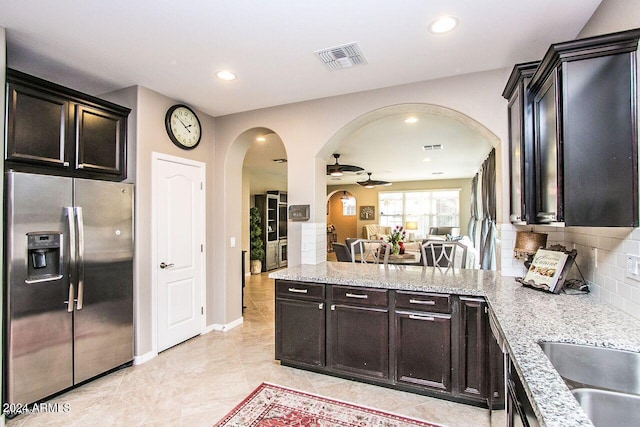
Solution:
(342, 252)
(368, 251)
(349, 241)
(443, 254)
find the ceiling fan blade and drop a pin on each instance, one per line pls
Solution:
(350, 168)
(372, 182)
(336, 167)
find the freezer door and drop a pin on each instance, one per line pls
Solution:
(103, 322)
(38, 326)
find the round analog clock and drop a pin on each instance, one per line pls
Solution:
(183, 126)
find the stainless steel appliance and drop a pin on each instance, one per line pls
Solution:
(68, 282)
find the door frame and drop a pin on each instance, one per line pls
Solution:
(155, 158)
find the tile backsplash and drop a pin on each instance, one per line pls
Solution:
(602, 257)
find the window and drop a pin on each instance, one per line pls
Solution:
(429, 208)
(348, 206)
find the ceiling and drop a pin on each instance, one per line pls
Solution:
(393, 150)
(176, 48)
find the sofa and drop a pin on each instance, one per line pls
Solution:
(375, 232)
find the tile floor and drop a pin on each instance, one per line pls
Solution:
(196, 383)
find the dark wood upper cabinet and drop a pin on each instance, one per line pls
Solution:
(56, 130)
(521, 164)
(585, 129)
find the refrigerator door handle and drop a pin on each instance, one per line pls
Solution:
(72, 256)
(80, 259)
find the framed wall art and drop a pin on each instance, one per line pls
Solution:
(367, 213)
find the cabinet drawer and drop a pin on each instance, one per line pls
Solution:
(299, 290)
(437, 303)
(362, 296)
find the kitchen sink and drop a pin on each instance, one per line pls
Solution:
(608, 408)
(588, 366)
(604, 381)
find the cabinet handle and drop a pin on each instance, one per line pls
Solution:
(427, 318)
(320, 306)
(333, 307)
(417, 301)
(359, 296)
(298, 291)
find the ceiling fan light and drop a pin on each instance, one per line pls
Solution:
(369, 186)
(336, 173)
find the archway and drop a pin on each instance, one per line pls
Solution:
(469, 140)
(264, 175)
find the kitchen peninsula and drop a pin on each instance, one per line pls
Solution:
(524, 317)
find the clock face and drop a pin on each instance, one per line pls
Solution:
(183, 126)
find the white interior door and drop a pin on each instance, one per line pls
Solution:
(179, 209)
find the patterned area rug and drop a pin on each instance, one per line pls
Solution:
(271, 405)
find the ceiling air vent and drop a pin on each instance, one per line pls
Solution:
(432, 147)
(339, 57)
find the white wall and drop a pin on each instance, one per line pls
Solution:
(305, 129)
(147, 134)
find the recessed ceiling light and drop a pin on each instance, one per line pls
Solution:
(426, 159)
(261, 139)
(411, 120)
(443, 24)
(225, 75)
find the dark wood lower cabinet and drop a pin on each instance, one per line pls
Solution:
(300, 324)
(473, 348)
(359, 340)
(423, 349)
(434, 344)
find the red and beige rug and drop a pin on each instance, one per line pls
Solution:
(271, 405)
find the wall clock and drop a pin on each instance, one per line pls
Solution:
(183, 126)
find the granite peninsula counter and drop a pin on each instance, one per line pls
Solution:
(525, 317)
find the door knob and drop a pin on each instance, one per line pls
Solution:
(163, 265)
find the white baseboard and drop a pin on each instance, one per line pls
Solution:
(139, 360)
(224, 328)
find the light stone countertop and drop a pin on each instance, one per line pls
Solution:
(525, 317)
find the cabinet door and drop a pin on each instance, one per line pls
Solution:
(423, 349)
(548, 184)
(300, 332)
(600, 142)
(516, 156)
(36, 127)
(358, 340)
(99, 141)
(473, 373)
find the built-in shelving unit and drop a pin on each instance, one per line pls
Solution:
(273, 210)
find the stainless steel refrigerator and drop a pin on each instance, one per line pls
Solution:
(68, 282)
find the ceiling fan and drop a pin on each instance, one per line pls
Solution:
(370, 183)
(338, 169)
